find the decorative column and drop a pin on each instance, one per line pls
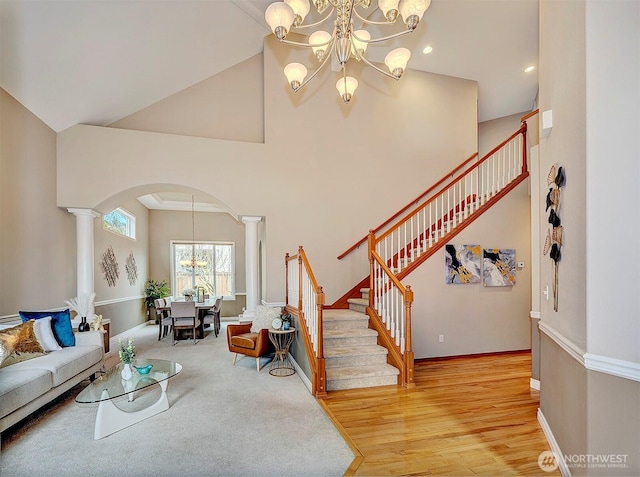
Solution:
(84, 250)
(251, 264)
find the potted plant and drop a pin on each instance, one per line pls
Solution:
(154, 289)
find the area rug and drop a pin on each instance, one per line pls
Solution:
(224, 420)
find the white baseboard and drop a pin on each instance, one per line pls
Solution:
(555, 448)
(534, 384)
(300, 373)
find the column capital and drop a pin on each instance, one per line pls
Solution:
(76, 211)
(247, 219)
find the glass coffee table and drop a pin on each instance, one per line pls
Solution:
(110, 385)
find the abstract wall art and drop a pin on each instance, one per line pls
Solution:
(556, 179)
(462, 263)
(109, 266)
(499, 267)
(132, 269)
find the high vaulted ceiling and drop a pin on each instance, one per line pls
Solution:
(97, 61)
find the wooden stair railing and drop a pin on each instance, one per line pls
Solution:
(448, 177)
(442, 227)
(305, 300)
(389, 313)
(426, 229)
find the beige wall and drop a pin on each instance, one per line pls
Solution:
(37, 239)
(166, 226)
(589, 76)
(302, 180)
(123, 303)
(236, 115)
(474, 318)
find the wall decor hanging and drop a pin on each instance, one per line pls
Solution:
(132, 269)
(109, 266)
(462, 263)
(553, 241)
(499, 268)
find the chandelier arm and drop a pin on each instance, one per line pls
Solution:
(309, 45)
(385, 38)
(296, 43)
(324, 62)
(380, 70)
(311, 25)
(371, 22)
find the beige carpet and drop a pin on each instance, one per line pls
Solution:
(224, 420)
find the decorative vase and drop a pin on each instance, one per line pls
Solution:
(286, 325)
(127, 372)
(83, 326)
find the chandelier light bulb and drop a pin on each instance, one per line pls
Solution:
(396, 60)
(319, 40)
(279, 17)
(412, 11)
(359, 42)
(295, 73)
(320, 4)
(389, 8)
(346, 87)
(300, 9)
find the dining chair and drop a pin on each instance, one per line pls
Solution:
(213, 316)
(184, 317)
(162, 317)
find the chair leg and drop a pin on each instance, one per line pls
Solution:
(235, 356)
(258, 363)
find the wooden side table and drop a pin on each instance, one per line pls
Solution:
(281, 365)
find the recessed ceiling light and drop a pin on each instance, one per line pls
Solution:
(427, 49)
(529, 69)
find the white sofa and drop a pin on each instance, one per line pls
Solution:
(28, 385)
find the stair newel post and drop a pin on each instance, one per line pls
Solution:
(321, 377)
(524, 146)
(300, 277)
(286, 278)
(371, 247)
(408, 352)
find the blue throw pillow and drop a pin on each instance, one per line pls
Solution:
(60, 322)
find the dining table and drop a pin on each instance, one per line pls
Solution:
(202, 307)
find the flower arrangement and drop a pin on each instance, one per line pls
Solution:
(188, 293)
(127, 350)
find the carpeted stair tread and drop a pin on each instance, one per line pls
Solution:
(366, 350)
(343, 314)
(350, 333)
(362, 371)
(358, 301)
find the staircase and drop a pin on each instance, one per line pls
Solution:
(350, 344)
(353, 357)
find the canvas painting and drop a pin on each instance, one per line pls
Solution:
(462, 263)
(499, 267)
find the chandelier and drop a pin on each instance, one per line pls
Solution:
(344, 40)
(192, 262)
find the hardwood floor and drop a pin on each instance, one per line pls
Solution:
(466, 416)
